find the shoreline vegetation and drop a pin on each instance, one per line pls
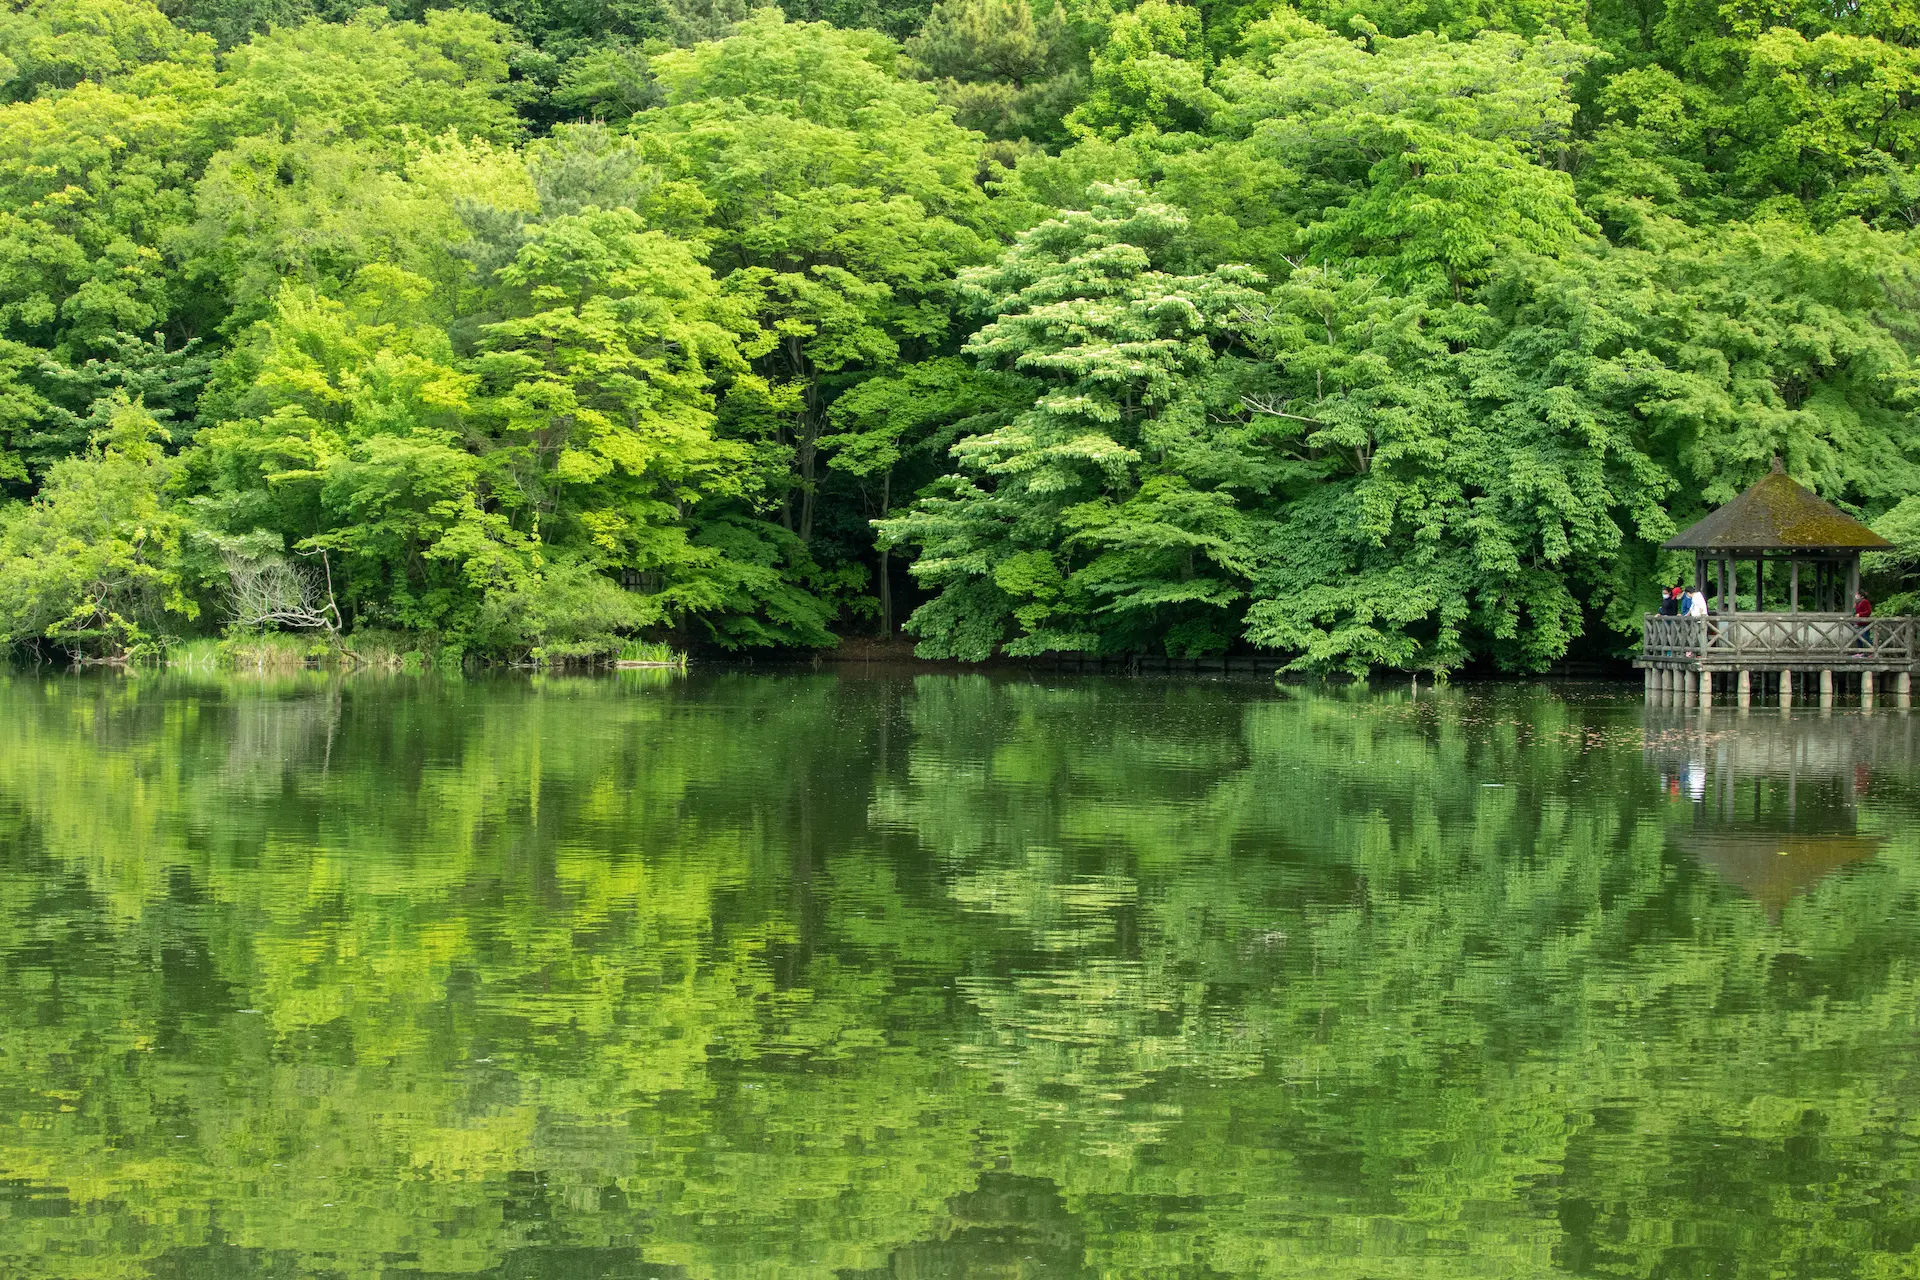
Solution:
(278, 652)
(1350, 337)
(284, 655)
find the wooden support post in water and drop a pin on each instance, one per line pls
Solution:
(1826, 688)
(1786, 689)
(1706, 690)
(1866, 690)
(1903, 689)
(1742, 689)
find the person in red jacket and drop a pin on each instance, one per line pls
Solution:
(1862, 610)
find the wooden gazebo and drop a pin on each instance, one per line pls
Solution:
(1796, 559)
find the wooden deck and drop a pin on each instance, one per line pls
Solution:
(1783, 657)
(1772, 641)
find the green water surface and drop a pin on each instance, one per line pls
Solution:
(749, 975)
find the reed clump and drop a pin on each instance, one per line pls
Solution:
(260, 651)
(280, 651)
(649, 653)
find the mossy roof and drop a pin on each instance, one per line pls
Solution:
(1777, 514)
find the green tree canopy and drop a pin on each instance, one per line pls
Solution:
(1106, 511)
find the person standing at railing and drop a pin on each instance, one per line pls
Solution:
(1862, 631)
(1695, 606)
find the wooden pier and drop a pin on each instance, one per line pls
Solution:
(1783, 658)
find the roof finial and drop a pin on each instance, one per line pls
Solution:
(1779, 468)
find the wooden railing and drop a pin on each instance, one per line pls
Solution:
(1779, 637)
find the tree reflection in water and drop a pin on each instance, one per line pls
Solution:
(948, 975)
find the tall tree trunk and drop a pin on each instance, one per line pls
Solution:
(886, 585)
(809, 450)
(807, 440)
(786, 499)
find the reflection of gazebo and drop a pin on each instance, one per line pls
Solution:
(1796, 558)
(1772, 803)
(1774, 867)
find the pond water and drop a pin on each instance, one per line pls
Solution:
(751, 975)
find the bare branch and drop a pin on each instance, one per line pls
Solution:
(1270, 408)
(267, 590)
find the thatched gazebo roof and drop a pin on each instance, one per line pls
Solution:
(1778, 514)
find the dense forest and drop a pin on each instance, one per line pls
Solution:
(1369, 333)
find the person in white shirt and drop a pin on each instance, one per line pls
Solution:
(1695, 607)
